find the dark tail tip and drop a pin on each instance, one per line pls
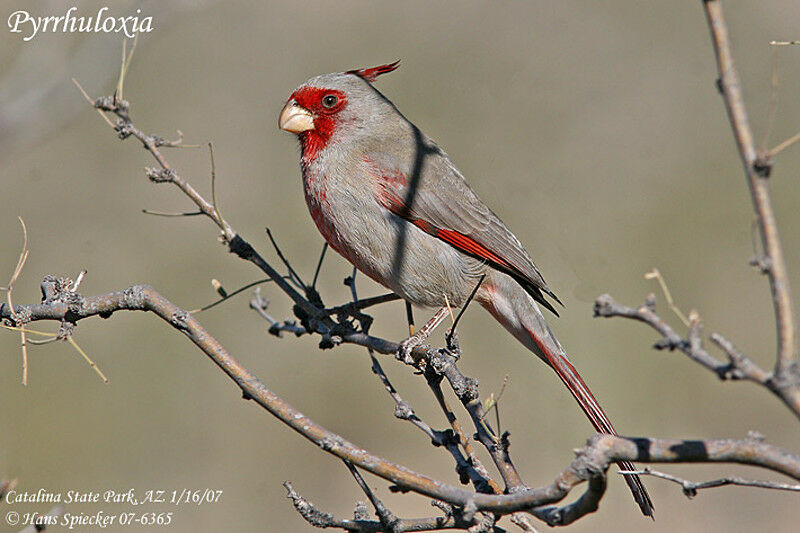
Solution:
(639, 491)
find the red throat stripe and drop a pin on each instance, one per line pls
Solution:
(325, 119)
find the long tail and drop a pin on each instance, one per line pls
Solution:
(516, 310)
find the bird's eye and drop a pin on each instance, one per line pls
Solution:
(330, 100)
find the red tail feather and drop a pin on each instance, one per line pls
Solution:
(596, 415)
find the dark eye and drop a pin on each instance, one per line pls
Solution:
(330, 100)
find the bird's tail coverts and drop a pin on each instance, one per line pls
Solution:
(518, 313)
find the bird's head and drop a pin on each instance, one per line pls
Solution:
(338, 104)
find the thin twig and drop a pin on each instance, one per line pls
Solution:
(773, 103)
(690, 488)
(387, 518)
(78, 280)
(294, 276)
(214, 182)
(741, 368)
(785, 144)
(230, 295)
(466, 304)
(319, 264)
(163, 214)
(656, 274)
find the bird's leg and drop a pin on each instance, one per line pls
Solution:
(410, 317)
(406, 346)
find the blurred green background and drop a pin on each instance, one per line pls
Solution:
(594, 130)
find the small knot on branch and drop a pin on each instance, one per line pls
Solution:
(361, 512)
(650, 302)
(668, 343)
(19, 317)
(124, 129)
(403, 410)
(762, 263)
(755, 436)
(329, 443)
(134, 297)
(241, 248)
(179, 318)
(66, 330)
(604, 306)
(55, 289)
(160, 175)
(763, 164)
(113, 104)
(505, 441)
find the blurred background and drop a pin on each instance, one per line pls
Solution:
(595, 131)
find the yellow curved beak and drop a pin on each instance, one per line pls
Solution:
(295, 119)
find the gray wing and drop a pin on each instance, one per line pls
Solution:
(431, 193)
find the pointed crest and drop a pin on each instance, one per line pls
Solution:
(370, 74)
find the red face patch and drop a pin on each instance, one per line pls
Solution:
(325, 104)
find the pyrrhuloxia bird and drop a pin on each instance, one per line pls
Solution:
(390, 201)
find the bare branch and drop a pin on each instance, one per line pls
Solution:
(591, 461)
(738, 367)
(786, 379)
(606, 307)
(388, 520)
(317, 518)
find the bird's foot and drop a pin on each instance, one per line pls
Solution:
(407, 346)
